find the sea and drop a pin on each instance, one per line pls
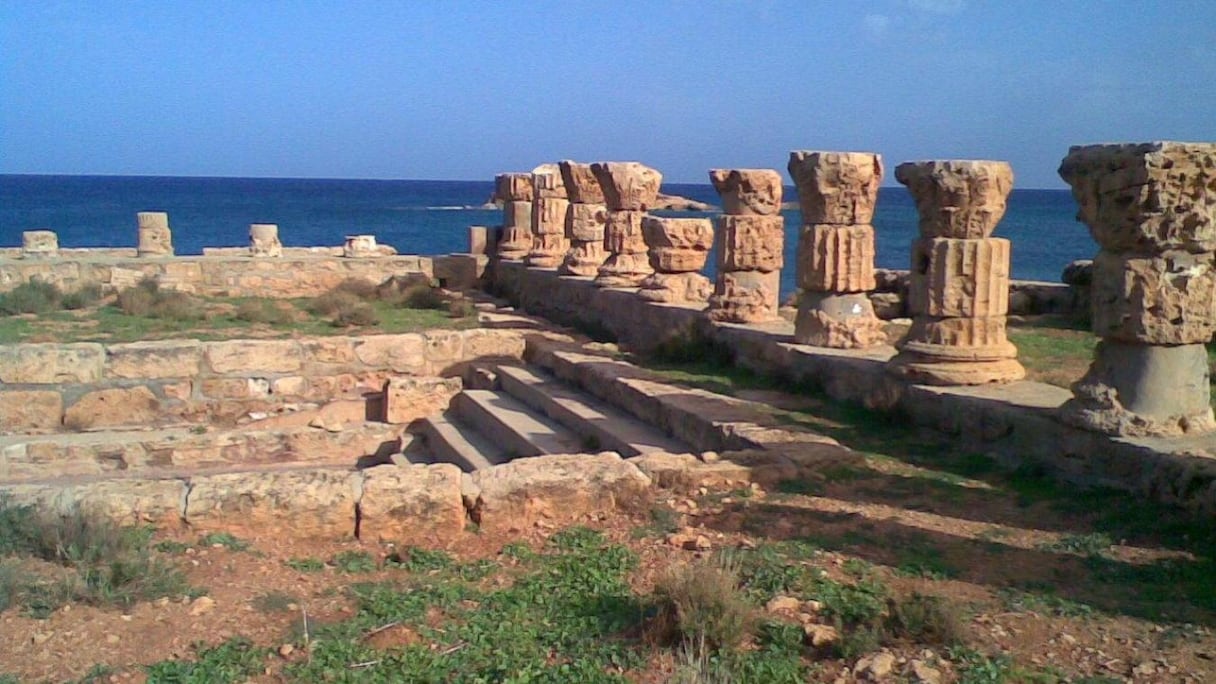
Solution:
(432, 217)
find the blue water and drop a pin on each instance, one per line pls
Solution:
(430, 217)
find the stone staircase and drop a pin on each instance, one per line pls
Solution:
(527, 412)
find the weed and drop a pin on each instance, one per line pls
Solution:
(330, 303)
(31, 297)
(360, 315)
(235, 660)
(702, 602)
(98, 674)
(518, 550)
(923, 619)
(1095, 544)
(924, 561)
(461, 308)
(305, 564)
(264, 311)
(148, 300)
(274, 602)
(224, 539)
(358, 288)
(1044, 602)
(85, 296)
(422, 296)
(858, 568)
(354, 562)
(414, 559)
(171, 546)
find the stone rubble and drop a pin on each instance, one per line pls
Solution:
(39, 244)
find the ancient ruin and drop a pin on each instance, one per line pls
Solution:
(155, 239)
(837, 192)
(1151, 207)
(585, 220)
(39, 244)
(678, 249)
(549, 209)
(264, 240)
(749, 245)
(960, 276)
(629, 190)
(515, 191)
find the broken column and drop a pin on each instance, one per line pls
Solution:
(629, 190)
(959, 292)
(264, 240)
(39, 244)
(360, 246)
(549, 203)
(1151, 207)
(585, 220)
(749, 244)
(678, 248)
(836, 193)
(515, 191)
(155, 240)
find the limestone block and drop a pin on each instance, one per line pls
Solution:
(23, 410)
(39, 244)
(443, 346)
(623, 270)
(627, 186)
(360, 246)
(586, 221)
(675, 260)
(133, 502)
(130, 406)
(547, 251)
(679, 233)
(292, 504)
(584, 258)
(986, 332)
(623, 233)
(407, 399)
(516, 242)
(839, 321)
(155, 239)
(329, 350)
(745, 296)
(581, 184)
(412, 503)
(1166, 299)
(154, 359)
(484, 342)
(549, 216)
(836, 258)
(957, 198)
(400, 353)
(836, 187)
(558, 488)
(676, 288)
(481, 240)
(750, 243)
(50, 364)
(264, 240)
(1146, 197)
(932, 370)
(748, 192)
(513, 187)
(254, 357)
(959, 278)
(687, 473)
(517, 214)
(547, 182)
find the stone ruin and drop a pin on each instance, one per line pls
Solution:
(515, 191)
(1151, 208)
(360, 246)
(630, 188)
(585, 219)
(155, 239)
(549, 207)
(837, 192)
(678, 248)
(959, 292)
(264, 240)
(749, 244)
(39, 244)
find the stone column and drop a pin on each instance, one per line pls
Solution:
(515, 191)
(836, 193)
(264, 240)
(1151, 208)
(155, 240)
(629, 190)
(959, 291)
(585, 220)
(749, 244)
(678, 248)
(39, 244)
(549, 203)
(360, 246)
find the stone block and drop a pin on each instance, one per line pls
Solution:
(623, 270)
(479, 240)
(675, 260)
(264, 240)
(748, 192)
(678, 233)
(750, 243)
(1165, 299)
(329, 350)
(623, 233)
(155, 239)
(125, 502)
(1146, 197)
(836, 187)
(676, 288)
(988, 332)
(234, 388)
(586, 222)
(839, 321)
(154, 359)
(413, 503)
(51, 364)
(959, 278)
(581, 184)
(547, 183)
(745, 296)
(400, 353)
(22, 410)
(39, 244)
(409, 398)
(517, 214)
(291, 504)
(836, 258)
(549, 216)
(513, 187)
(584, 258)
(957, 198)
(128, 406)
(254, 356)
(627, 186)
(484, 342)
(516, 242)
(547, 251)
(360, 247)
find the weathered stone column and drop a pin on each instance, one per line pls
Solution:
(749, 244)
(585, 220)
(629, 190)
(155, 240)
(837, 192)
(360, 247)
(549, 203)
(959, 292)
(678, 248)
(1152, 209)
(39, 244)
(515, 191)
(264, 240)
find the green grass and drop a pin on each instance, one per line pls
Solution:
(224, 540)
(235, 660)
(354, 562)
(305, 564)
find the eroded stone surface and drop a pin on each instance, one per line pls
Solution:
(360, 247)
(264, 240)
(584, 258)
(836, 187)
(1166, 299)
(155, 238)
(676, 287)
(745, 296)
(516, 239)
(250, 356)
(115, 407)
(959, 278)
(836, 258)
(839, 321)
(154, 359)
(408, 398)
(750, 243)
(420, 503)
(547, 183)
(627, 186)
(585, 222)
(46, 364)
(39, 244)
(678, 245)
(513, 187)
(989, 332)
(549, 216)
(581, 184)
(292, 504)
(748, 191)
(623, 232)
(23, 410)
(623, 270)
(957, 198)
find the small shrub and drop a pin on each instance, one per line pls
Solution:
(926, 620)
(461, 308)
(354, 562)
(170, 546)
(136, 301)
(263, 311)
(422, 296)
(86, 296)
(224, 539)
(359, 288)
(33, 297)
(305, 564)
(359, 315)
(178, 306)
(234, 660)
(702, 601)
(415, 559)
(332, 302)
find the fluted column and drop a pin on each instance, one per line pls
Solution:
(749, 243)
(629, 190)
(155, 238)
(585, 220)
(549, 203)
(678, 248)
(837, 192)
(959, 291)
(515, 191)
(1151, 207)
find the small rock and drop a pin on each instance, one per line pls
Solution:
(1068, 638)
(813, 606)
(820, 636)
(710, 456)
(875, 667)
(1144, 669)
(161, 602)
(700, 543)
(924, 673)
(202, 605)
(782, 604)
(40, 638)
(286, 650)
(112, 639)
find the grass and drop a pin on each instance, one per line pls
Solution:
(224, 540)
(235, 660)
(702, 605)
(305, 564)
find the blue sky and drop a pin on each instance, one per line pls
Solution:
(462, 90)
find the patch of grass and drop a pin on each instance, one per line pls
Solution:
(274, 602)
(461, 308)
(148, 300)
(518, 550)
(702, 603)
(171, 546)
(224, 539)
(921, 619)
(415, 559)
(354, 562)
(1093, 544)
(305, 564)
(663, 520)
(1043, 601)
(32, 297)
(924, 561)
(265, 311)
(235, 660)
(82, 298)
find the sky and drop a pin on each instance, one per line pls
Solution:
(464, 89)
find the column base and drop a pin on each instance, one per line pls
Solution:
(676, 288)
(839, 321)
(624, 270)
(583, 259)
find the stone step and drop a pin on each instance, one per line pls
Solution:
(611, 428)
(449, 440)
(508, 423)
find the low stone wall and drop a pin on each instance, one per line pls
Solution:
(1014, 421)
(87, 386)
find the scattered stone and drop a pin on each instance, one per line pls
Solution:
(202, 605)
(922, 672)
(874, 667)
(821, 636)
(782, 604)
(286, 650)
